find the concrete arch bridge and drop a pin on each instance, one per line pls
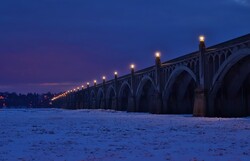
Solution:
(213, 81)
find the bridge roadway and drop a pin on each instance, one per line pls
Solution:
(213, 81)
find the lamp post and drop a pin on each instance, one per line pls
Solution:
(103, 79)
(202, 45)
(202, 49)
(158, 69)
(116, 74)
(156, 96)
(132, 67)
(158, 59)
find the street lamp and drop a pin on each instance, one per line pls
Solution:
(201, 38)
(132, 66)
(157, 54)
(202, 45)
(157, 59)
(115, 73)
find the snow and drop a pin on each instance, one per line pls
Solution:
(56, 134)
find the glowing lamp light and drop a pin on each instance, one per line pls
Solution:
(82, 86)
(157, 54)
(132, 66)
(78, 88)
(88, 83)
(202, 38)
(74, 89)
(115, 73)
(94, 81)
(103, 77)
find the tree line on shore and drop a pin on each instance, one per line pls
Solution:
(31, 100)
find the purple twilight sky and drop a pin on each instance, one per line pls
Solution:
(55, 45)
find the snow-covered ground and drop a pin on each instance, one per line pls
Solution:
(55, 134)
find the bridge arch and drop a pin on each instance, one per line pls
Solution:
(230, 91)
(124, 96)
(178, 93)
(92, 99)
(86, 100)
(100, 99)
(216, 63)
(111, 98)
(145, 95)
(79, 100)
(222, 58)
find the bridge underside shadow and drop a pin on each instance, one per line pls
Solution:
(100, 100)
(145, 98)
(124, 98)
(92, 101)
(180, 95)
(232, 98)
(111, 101)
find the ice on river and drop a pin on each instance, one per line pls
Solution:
(56, 134)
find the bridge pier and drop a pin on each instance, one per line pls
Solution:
(114, 103)
(157, 103)
(132, 99)
(200, 99)
(104, 104)
(155, 106)
(131, 104)
(200, 102)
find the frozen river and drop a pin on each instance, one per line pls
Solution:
(55, 134)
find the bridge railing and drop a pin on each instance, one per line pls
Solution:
(179, 60)
(225, 47)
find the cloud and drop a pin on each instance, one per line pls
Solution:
(45, 87)
(245, 3)
(57, 84)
